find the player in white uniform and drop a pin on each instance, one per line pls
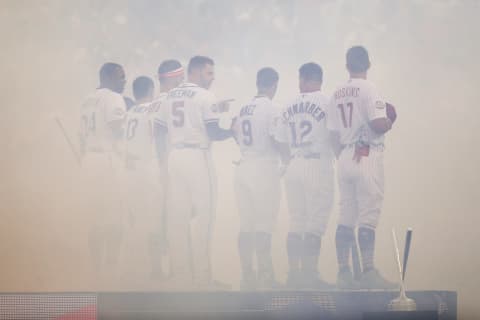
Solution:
(309, 177)
(101, 129)
(257, 182)
(170, 75)
(358, 115)
(192, 121)
(142, 184)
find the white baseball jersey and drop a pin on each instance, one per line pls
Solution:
(139, 132)
(191, 181)
(303, 125)
(98, 110)
(257, 178)
(255, 127)
(309, 176)
(352, 106)
(361, 182)
(187, 108)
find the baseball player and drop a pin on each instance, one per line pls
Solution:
(257, 182)
(170, 75)
(101, 131)
(142, 183)
(358, 115)
(309, 177)
(192, 121)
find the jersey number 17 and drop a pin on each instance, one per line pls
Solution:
(346, 124)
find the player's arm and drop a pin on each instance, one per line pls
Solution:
(215, 132)
(279, 138)
(283, 150)
(210, 114)
(333, 128)
(116, 126)
(234, 128)
(337, 147)
(380, 125)
(379, 122)
(160, 140)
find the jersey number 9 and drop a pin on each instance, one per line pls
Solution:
(247, 132)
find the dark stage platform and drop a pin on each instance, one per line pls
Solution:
(224, 305)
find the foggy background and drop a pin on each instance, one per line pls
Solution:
(425, 60)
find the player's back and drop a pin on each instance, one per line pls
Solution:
(97, 111)
(304, 124)
(254, 128)
(187, 109)
(352, 106)
(138, 133)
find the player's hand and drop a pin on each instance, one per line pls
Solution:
(391, 112)
(224, 105)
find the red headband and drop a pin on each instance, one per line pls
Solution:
(173, 73)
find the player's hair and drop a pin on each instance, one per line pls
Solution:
(107, 70)
(266, 77)
(311, 72)
(169, 65)
(357, 59)
(199, 62)
(141, 87)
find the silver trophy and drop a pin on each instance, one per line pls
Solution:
(402, 303)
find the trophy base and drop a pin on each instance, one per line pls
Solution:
(402, 304)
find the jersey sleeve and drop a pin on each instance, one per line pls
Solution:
(375, 105)
(209, 108)
(159, 113)
(115, 108)
(273, 121)
(280, 132)
(332, 116)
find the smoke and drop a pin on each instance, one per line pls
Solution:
(424, 60)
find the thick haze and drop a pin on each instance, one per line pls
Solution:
(425, 60)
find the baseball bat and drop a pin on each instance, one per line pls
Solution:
(69, 141)
(406, 252)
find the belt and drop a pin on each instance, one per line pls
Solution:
(312, 156)
(309, 156)
(188, 146)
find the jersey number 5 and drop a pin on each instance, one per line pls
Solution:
(344, 118)
(178, 111)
